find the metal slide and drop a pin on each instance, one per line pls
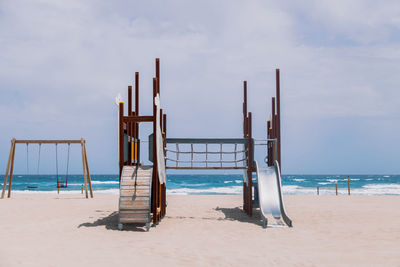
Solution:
(270, 194)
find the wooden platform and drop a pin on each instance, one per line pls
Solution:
(135, 194)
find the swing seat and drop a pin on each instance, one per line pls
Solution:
(62, 185)
(32, 186)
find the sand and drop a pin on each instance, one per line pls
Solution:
(68, 230)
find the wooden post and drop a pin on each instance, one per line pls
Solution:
(130, 126)
(11, 171)
(278, 119)
(270, 144)
(8, 167)
(121, 138)
(250, 168)
(158, 74)
(137, 93)
(155, 181)
(273, 132)
(336, 189)
(164, 188)
(87, 170)
(348, 185)
(137, 114)
(246, 146)
(84, 167)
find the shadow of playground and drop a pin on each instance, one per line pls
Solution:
(237, 214)
(231, 214)
(111, 223)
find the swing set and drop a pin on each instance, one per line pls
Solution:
(60, 183)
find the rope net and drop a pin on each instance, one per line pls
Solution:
(206, 156)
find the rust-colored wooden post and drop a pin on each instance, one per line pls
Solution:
(8, 167)
(129, 126)
(159, 187)
(164, 189)
(158, 74)
(250, 168)
(246, 146)
(270, 144)
(121, 138)
(278, 114)
(137, 114)
(155, 181)
(273, 132)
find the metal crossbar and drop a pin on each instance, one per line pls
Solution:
(205, 164)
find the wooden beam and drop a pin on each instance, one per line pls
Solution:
(84, 167)
(87, 171)
(8, 167)
(47, 141)
(11, 171)
(121, 138)
(137, 118)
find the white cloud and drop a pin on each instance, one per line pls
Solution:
(62, 63)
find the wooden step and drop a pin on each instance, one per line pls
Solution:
(135, 192)
(137, 183)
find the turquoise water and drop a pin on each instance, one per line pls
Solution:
(222, 184)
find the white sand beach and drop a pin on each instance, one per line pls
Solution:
(68, 230)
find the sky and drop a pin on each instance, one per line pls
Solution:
(63, 62)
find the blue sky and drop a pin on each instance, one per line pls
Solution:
(63, 62)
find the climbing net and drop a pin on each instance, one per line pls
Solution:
(206, 153)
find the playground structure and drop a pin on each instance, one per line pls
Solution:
(143, 188)
(8, 178)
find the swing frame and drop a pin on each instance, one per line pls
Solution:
(10, 164)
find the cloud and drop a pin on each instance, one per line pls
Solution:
(62, 63)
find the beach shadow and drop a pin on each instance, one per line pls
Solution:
(111, 223)
(231, 214)
(237, 214)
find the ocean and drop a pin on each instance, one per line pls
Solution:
(217, 184)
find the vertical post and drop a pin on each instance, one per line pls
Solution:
(155, 181)
(84, 167)
(87, 170)
(250, 168)
(121, 138)
(58, 185)
(158, 74)
(317, 190)
(11, 171)
(246, 146)
(8, 168)
(164, 186)
(137, 93)
(348, 185)
(336, 189)
(130, 126)
(273, 132)
(136, 125)
(278, 113)
(270, 144)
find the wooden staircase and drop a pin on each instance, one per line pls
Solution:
(135, 195)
